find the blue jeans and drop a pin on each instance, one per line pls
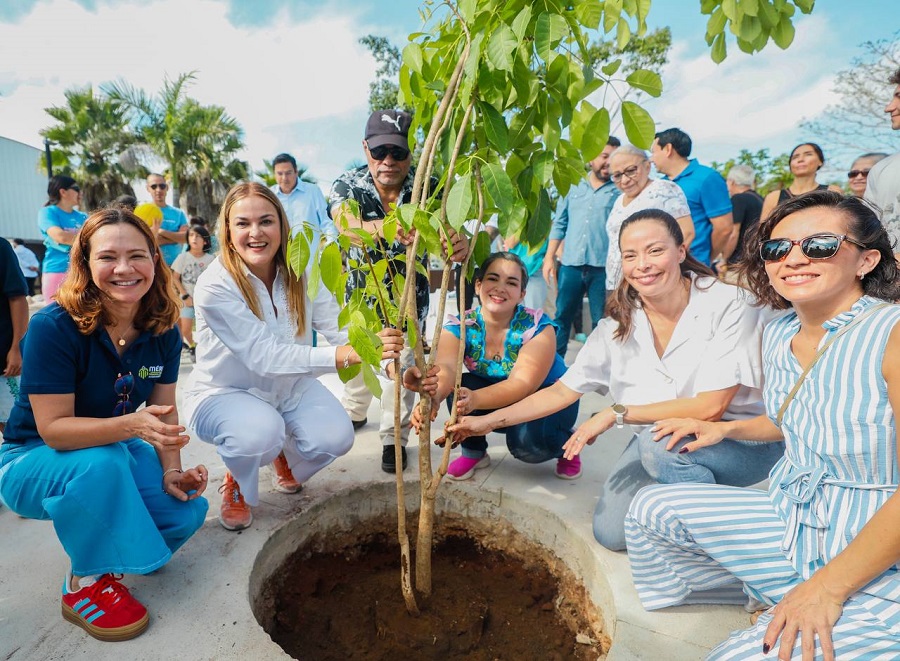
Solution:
(532, 442)
(645, 462)
(106, 504)
(572, 284)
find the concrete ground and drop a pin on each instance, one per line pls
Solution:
(199, 602)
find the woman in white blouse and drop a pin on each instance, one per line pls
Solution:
(629, 169)
(676, 339)
(253, 392)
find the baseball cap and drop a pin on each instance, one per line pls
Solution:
(388, 127)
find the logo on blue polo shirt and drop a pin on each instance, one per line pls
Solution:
(152, 372)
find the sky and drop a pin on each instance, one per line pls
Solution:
(294, 75)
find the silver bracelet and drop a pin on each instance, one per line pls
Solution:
(166, 472)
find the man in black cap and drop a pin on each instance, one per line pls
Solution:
(386, 180)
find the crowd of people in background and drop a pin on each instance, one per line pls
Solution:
(741, 338)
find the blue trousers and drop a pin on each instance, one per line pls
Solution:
(572, 284)
(645, 462)
(106, 503)
(532, 442)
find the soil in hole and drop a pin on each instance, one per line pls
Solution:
(486, 606)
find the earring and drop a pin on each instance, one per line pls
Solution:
(861, 276)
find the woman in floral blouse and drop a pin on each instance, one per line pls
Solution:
(510, 353)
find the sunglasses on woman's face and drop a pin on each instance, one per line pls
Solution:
(817, 246)
(123, 386)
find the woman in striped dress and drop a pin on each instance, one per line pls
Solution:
(822, 548)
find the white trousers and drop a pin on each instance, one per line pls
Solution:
(249, 432)
(357, 398)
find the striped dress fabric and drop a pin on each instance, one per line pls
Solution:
(714, 544)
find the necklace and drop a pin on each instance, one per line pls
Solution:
(123, 338)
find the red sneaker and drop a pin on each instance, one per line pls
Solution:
(105, 609)
(234, 514)
(282, 477)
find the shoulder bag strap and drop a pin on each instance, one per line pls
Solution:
(818, 355)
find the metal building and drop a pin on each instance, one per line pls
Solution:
(23, 189)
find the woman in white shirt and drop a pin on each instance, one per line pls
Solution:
(254, 392)
(676, 339)
(629, 169)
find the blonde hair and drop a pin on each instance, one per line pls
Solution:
(296, 286)
(82, 299)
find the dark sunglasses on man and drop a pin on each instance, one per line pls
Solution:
(381, 153)
(853, 174)
(817, 246)
(159, 186)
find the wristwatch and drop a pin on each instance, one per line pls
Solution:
(620, 411)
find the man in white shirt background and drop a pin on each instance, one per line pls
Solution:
(303, 202)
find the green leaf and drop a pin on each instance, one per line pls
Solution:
(730, 8)
(596, 133)
(501, 46)
(538, 227)
(718, 48)
(412, 57)
(298, 253)
(623, 34)
(645, 80)
(750, 28)
(371, 380)
(467, 8)
(482, 249)
(783, 33)
(543, 166)
(350, 373)
(639, 126)
(610, 68)
(459, 202)
(716, 23)
(548, 32)
(768, 14)
(750, 7)
(331, 266)
(364, 236)
(589, 14)
(494, 127)
(498, 185)
(806, 6)
(612, 10)
(520, 23)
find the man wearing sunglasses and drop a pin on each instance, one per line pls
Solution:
(386, 180)
(171, 232)
(883, 180)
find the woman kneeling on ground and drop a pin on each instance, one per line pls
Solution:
(76, 450)
(823, 545)
(510, 353)
(676, 340)
(254, 391)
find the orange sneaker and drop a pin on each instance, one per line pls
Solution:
(235, 514)
(282, 477)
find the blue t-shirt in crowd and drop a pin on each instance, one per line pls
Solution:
(707, 196)
(57, 359)
(56, 257)
(173, 220)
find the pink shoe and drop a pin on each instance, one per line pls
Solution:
(463, 468)
(568, 469)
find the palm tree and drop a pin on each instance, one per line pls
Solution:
(93, 145)
(160, 121)
(212, 141)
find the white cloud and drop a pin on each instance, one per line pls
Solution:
(269, 78)
(748, 101)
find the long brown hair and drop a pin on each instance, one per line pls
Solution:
(625, 298)
(82, 299)
(296, 287)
